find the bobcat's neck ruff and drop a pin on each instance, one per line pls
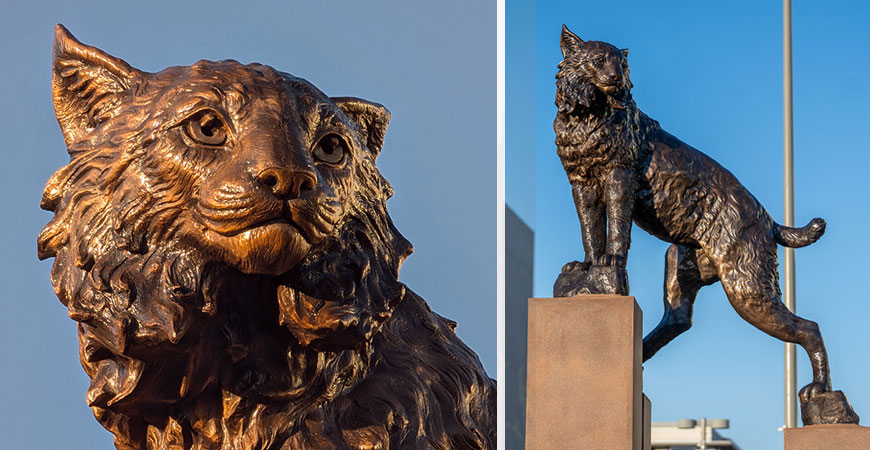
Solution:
(590, 142)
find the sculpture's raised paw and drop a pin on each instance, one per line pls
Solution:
(825, 407)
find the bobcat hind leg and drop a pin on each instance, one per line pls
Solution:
(753, 292)
(687, 270)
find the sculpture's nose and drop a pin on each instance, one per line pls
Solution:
(286, 183)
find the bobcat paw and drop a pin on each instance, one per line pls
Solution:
(575, 266)
(820, 405)
(607, 280)
(609, 261)
(578, 278)
(572, 280)
(811, 390)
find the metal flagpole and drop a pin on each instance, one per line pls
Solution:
(788, 188)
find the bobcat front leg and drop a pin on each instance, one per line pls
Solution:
(590, 276)
(589, 201)
(573, 279)
(619, 192)
(609, 268)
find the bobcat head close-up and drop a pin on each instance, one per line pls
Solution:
(591, 71)
(222, 238)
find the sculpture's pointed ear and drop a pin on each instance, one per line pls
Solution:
(372, 118)
(624, 52)
(87, 84)
(570, 43)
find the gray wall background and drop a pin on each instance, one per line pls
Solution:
(519, 259)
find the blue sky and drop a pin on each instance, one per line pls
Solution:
(432, 65)
(710, 73)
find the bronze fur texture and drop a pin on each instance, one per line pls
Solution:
(221, 237)
(624, 167)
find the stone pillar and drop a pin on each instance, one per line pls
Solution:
(837, 436)
(584, 373)
(647, 424)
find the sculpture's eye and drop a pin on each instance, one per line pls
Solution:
(330, 149)
(206, 128)
(599, 59)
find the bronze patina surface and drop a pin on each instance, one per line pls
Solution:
(222, 239)
(624, 167)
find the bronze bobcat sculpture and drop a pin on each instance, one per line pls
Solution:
(221, 237)
(624, 167)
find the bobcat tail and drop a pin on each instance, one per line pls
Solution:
(799, 237)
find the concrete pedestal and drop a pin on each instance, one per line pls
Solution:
(646, 443)
(584, 386)
(816, 437)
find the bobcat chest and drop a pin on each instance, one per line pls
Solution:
(589, 145)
